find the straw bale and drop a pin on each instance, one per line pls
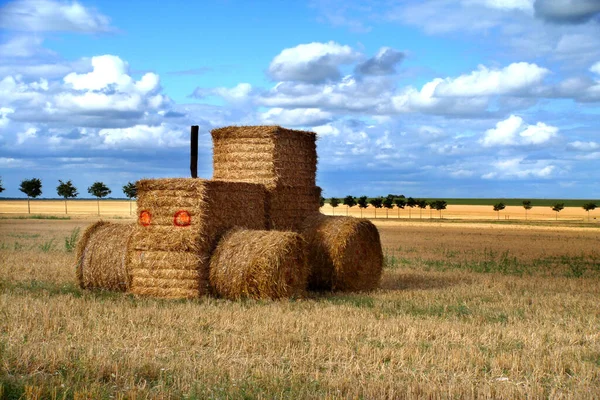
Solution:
(344, 253)
(164, 256)
(269, 155)
(288, 207)
(259, 264)
(101, 256)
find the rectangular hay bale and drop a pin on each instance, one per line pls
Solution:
(269, 155)
(288, 207)
(166, 260)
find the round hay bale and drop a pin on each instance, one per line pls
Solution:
(344, 253)
(259, 264)
(101, 257)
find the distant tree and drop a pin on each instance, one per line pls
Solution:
(32, 188)
(362, 203)
(333, 202)
(411, 203)
(349, 202)
(527, 206)
(438, 205)
(400, 203)
(130, 191)
(377, 202)
(66, 190)
(499, 207)
(388, 203)
(422, 204)
(99, 190)
(558, 207)
(589, 207)
(322, 201)
(1, 187)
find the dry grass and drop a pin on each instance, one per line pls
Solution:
(429, 332)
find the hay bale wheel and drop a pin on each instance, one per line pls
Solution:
(102, 257)
(344, 253)
(259, 264)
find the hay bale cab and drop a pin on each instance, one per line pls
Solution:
(254, 230)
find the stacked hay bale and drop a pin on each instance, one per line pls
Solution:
(283, 160)
(181, 221)
(259, 264)
(344, 253)
(101, 257)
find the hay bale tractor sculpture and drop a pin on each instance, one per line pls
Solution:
(254, 230)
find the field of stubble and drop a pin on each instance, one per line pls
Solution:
(465, 310)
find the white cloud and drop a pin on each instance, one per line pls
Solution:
(295, 117)
(312, 62)
(111, 70)
(23, 47)
(518, 167)
(50, 15)
(523, 5)
(30, 133)
(92, 101)
(595, 68)
(143, 136)
(326, 130)
(4, 120)
(239, 93)
(486, 82)
(513, 131)
(584, 146)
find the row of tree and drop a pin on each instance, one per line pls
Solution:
(556, 207)
(388, 202)
(401, 202)
(33, 189)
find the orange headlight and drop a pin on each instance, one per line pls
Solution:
(182, 218)
(145, 218)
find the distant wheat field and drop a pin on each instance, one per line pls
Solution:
(470, 212)
(464, 310)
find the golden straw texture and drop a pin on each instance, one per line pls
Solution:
(269, 155)
(288, 207)
(166, 260)
(259, 265)
(344, 253)
(101, 257)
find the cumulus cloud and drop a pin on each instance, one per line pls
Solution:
(519, 167)
(143, 136)
(513, 131)
(50, 15)
(383, 63)
(295, 117)
(111, 70)
(596, 68)
(567, 11)
(312, 62)
(514, 78)
(583, 146)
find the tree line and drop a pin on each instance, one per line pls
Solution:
(556, 207)
(389, 202)
(401, 202)
(33, 189)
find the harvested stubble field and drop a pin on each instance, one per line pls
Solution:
(465, 310)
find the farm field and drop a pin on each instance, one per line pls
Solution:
(110, 208)
(465, 310)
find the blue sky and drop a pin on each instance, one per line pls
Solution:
(438, 98)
